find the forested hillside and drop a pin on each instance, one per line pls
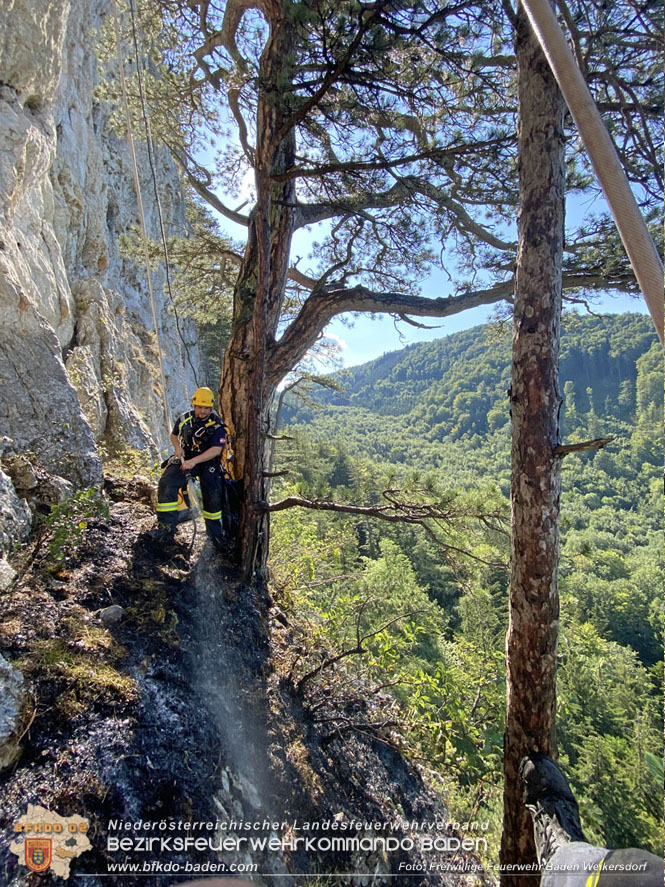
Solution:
(417, 608)
(457, 387)
(436, 405)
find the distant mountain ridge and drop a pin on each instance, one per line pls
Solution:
(458, 385)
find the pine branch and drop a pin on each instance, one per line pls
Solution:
(326, 302)
(464, 220)
(404, 187)
(386, 164)
(359, 649)
(418, 326)
(203, 188)
(310, 214)
(293, 273)
(226, 36)
(366, 19)
(233, 96)
(395, 512)
(596, 444)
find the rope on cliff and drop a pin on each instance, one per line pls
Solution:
(149, 144)
(632, 228)
(137, 185)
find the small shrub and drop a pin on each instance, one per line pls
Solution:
(129, 461)
(67, 522)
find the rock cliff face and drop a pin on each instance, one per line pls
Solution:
(78, 352)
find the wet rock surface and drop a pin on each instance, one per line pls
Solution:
(177, 713)
(117, 732)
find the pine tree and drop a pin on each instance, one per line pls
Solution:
(394, 125)
(531, 642)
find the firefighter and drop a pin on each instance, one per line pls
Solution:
(198, 437)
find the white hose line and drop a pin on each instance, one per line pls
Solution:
(642, 252)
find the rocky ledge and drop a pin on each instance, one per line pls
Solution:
(146, 691)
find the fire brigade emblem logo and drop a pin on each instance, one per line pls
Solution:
(38, 853)
(47, 841)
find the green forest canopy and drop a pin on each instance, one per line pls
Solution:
(433, 419)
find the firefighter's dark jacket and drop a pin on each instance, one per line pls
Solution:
(198, 435)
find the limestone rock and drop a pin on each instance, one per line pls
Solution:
(36, 485)
(54, 490)
(39, 408)
(21, 471)
(30, 252)
(7, 574)
(120, 364)
(15, 516)
(12, 689)
(83, 372)
(78, 352)
(31, 48)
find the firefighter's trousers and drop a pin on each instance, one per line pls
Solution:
(174, 479)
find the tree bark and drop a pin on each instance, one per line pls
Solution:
(535, 486)
(254, 361)
(245, 393)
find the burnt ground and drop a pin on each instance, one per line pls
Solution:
(180, 711)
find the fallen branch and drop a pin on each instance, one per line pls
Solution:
(361, 726)
(21, 574)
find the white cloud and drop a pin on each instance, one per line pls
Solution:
(337, 343)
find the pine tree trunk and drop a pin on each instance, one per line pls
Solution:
(245, 394)
(535, 486)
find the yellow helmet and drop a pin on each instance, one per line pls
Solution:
(203, 397)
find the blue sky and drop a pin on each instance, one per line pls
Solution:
(366, 337)
(369, 337)
(363, 337)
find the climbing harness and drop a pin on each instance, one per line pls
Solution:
(196, 440)
(178, 495)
